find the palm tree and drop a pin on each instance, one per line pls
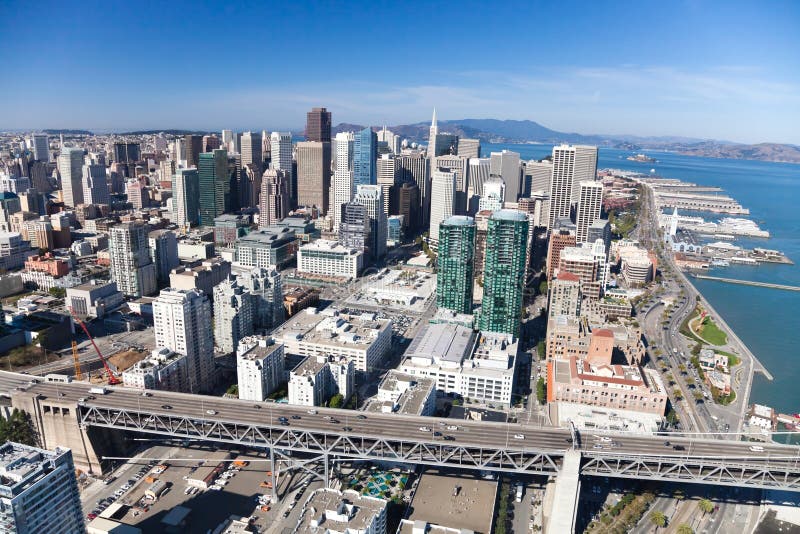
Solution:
(683, 528)
(706, 506)
(658, 519)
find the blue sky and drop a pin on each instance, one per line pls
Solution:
(724, 70)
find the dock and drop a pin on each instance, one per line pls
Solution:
(746, 282)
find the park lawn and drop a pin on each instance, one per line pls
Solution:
(712, 333)
(733, 360)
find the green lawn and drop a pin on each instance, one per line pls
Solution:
(711, 332)
(733, 360)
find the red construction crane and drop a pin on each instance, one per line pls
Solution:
(113, 380)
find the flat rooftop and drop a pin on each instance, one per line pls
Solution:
(437, 502)
(328, 510)
(447, 342)
(22, 466)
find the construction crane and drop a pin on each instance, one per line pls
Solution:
(77, 360)
(113, 380)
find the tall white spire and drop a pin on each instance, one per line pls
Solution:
(432, 136)
(434, 124)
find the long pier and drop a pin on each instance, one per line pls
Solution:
(747, 282)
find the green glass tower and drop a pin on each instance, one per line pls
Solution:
(214, 184)
(506, 243)
(455, 264)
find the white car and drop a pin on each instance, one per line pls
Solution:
(312, 412)
(604, 439)
(211, 412)
(519, 436)
(757, 448)
(215, 487)
(424, 429)
(452, 427)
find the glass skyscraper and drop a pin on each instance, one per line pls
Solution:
(506, 241)
(365, 158)
(455, 264)
(214, 184)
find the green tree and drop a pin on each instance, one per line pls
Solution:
(705, 506)
(543, 287)
(658, 519)
(336, 401)
(541, 349)
(58, 292)
(541, 391)
(672, 417)
(233, 390)
(18, 428)
(684, 528)
(678, 394)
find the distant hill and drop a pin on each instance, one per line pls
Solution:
(67, 132)
(522, 131)
(168, 132)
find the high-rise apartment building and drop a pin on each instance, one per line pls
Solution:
(505, 164)
(259, 367)
(387, 180)
(342, 186)
(193, 147)
(233, 314)
(571, 166)
(131, 265)
(590, 204)
(565, 296)
(163, 246)
(266, 289)
(214, 180)
(371, 197)
(560, 238)
(38, 491)
(504, 272)
(281, 160)
(70, 167)
(186, 197)
(182, 321)
(455, 262)
(318, 125)
(314, 174)
(443, 193)
(95, 186)
(354, 228)
(274, 202)
(365, 156)
(41, 147)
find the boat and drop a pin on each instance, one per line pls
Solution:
(642, 158)
(719, 262)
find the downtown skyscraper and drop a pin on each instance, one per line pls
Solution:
(590, 204)
(571, 166)
(132, 267)
(342, 186)
(281, 151)
(455, 261)
(215, 184)
(318, 125)
(314, 174)
(504, 272)
(365, 158)
(186, 197)
(70, 167)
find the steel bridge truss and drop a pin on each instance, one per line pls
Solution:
(284, 439)
(784, 475)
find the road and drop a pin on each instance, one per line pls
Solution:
(487, 435)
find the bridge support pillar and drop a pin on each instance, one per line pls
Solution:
(565, 499)
(274, 470)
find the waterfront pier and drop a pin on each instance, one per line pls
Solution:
(746, 282)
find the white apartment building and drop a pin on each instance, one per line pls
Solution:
(590, 204)
(443, 192)
(363, 339)
(132, 267)
(342, 184)
(329, 258)
(95, 186)
(478, 366)
(233, 314)
(259, 367)
(163, 370)
(342, 512)
(494, 192)
(281, 151)
(182, 320)
(571, 166)
(405, 394)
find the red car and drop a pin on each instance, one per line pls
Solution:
(91, 516)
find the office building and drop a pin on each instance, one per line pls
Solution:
(334, 511)
(469, 148)
(505, 164)
(590, 204)
(251, 149)
(494, 191)
(200, 276)
(354, 228)
(274, 202)
(455, 261)
(127, 152)
(365, 156)
(214, 182)
(186, 197)
(318, 125)
(479, 171)
(266, 290)
(504, 272)
(259, 367)
(163, 370)
(233, 314)
(415, 168)
(443, 192)
(38, 491)
(182, 319)
(39, 232)
(193, 147)
(94, 299)
(363, 339)
(163, 246)
(281, 160)
(314, 173)
(95, 187)
(211, 142)
(272, 247)
(478, 366)
(565, 296)
(132, 267)
(391, 140)
(587, 264)
(387, 181)
(371, 197)
(560, 238)
(408, 205)
(571, 166)
(537, 176)
(228, 142)
(41, 148)
(229, 227)
(433, 150)
(342, 187)
(330, 259)
(70, 167)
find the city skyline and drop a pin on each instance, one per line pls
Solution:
(633, 70)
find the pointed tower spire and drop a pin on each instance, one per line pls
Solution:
(433, 121)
